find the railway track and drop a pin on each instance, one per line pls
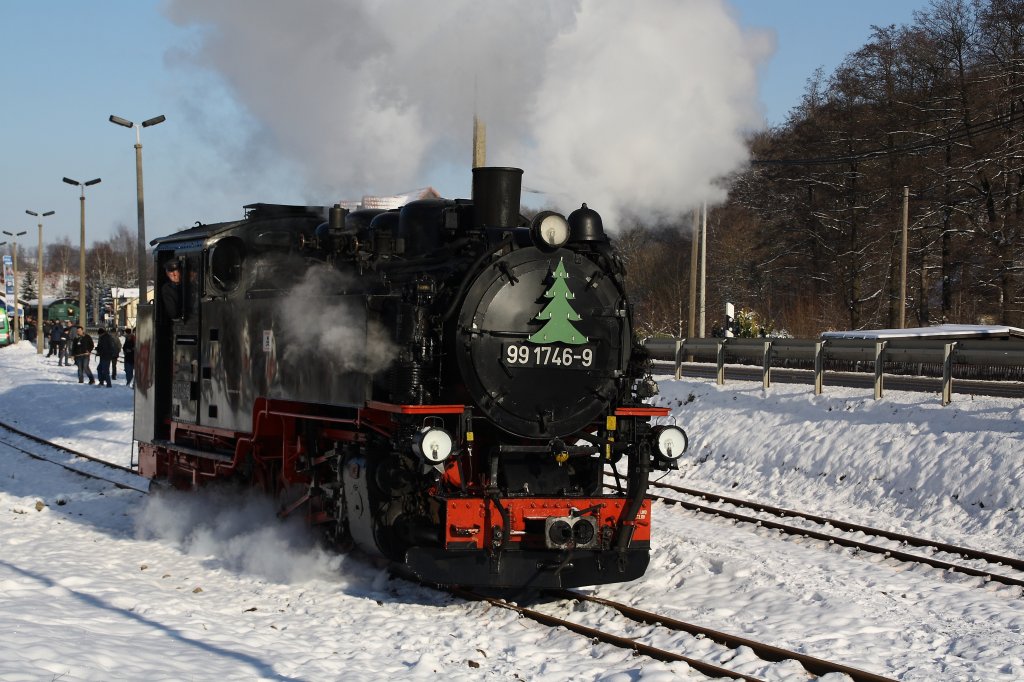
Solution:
(964, 553)
(76, 462)
(766, 652)
(73, 460)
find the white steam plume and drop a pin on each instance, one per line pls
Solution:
(658, 93)
(240, 529)
(321, 325)
(637, 106)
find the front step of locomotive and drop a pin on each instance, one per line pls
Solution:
(553, 542)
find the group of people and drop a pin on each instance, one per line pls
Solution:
(69, 342)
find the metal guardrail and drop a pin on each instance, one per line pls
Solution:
(977, 352)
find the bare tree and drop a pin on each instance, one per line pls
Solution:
(934, 106)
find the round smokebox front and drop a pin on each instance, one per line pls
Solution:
(542, 337)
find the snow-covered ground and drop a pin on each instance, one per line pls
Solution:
(100, 583)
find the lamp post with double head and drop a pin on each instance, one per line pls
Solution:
(39, 283)
(138, 183)
(81, 247)
(14, 256)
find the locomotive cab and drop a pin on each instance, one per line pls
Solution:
(168, 339)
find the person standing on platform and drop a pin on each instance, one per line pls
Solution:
(129, 357)
(81, 349)
(117, 351)
(67, 335)
(106, 349)
(54, 334)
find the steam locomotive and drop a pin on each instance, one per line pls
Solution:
(442, 385)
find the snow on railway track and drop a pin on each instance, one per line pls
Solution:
(837, 532)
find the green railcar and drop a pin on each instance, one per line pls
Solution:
(6, 337)
(62, 310)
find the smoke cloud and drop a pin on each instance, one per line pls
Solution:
(637, 106)
(320, 324)
(240, 529)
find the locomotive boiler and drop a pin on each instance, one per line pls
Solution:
(442, 385)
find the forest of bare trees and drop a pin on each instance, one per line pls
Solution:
(111, 262)
(108, 263)
(810, 237)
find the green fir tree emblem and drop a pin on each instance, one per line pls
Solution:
(558, 315)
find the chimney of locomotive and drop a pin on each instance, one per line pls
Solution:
(336, 218)
(496, 193)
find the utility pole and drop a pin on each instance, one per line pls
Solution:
(14, 252)
(703, 265)
(903, 259)
(39, 285)
(39, 294)
(693, 275)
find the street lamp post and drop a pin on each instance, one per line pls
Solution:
(81, 247)
(39, 283)
(7, 301)
(14, 257)
(138, 183)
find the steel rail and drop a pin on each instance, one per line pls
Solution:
(812, 664)
(843, 542)
(75, 453)
(605, 637)
(964, 552)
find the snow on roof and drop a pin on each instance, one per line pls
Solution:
(49, 300)
(389, 202)
(124, 292)
(940, 331)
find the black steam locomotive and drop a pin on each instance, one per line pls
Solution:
(442, 385)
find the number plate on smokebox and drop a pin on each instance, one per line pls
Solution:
(564, 357)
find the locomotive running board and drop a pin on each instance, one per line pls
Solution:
(641, 412)
(415, 409)
(185, 450)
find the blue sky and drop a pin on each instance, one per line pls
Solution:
(813, 33)
(69, 65)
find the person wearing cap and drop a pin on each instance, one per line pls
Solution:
(170, 291)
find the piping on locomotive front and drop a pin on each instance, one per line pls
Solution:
(476, 455)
